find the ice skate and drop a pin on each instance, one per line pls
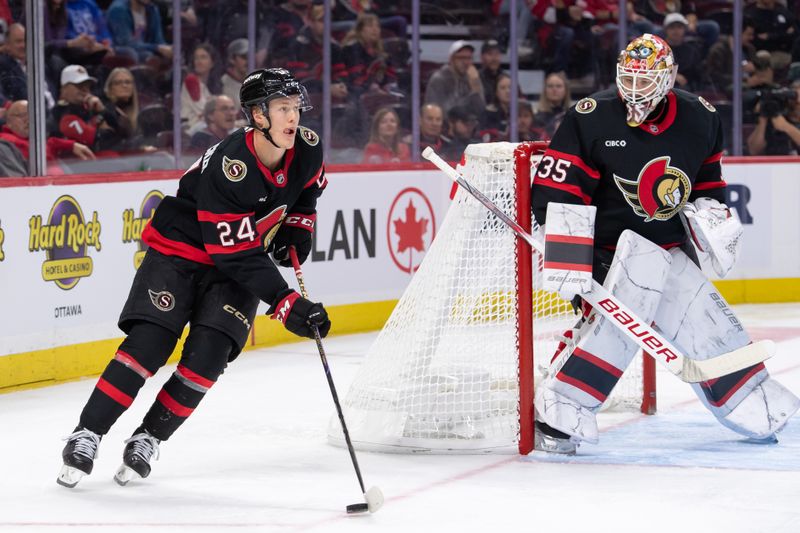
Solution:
(139, 450)
(547, 439)
(79, 455)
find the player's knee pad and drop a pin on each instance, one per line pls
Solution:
(587, 371)
(206, 352)
(148, 345)
(763, 412)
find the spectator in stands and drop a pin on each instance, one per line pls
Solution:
(462, 121)
(86, 26)
(305, 61)
(719, 62)
(137, 24)
(761, 80)
(526, 130)
(305, 57)
(236, 61)
(16, 131)
(687, 55)
(220, 117)
(5, 14)
(777, 130)
(78, 114)
(13, 64)
(457, 82)
(121, 112)
(385, 145)
(12, 164)
(368, 66)
(490, 67)
(346, 13)
(656, 11)
(198, 85)
(431, 120)
(554, 103)
(57, 46)
(494, 121)
(286, 20)
(775, 29)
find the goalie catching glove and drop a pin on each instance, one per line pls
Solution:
(298, 314)
(715, 230)
(296, 231)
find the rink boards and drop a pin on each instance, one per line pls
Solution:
(69, 248)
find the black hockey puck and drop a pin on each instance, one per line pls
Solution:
(357, 508)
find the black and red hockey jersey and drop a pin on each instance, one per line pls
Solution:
(638, 178)
(229, 207)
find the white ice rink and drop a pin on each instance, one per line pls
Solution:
(254, 457)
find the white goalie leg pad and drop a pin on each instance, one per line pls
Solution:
(566, 415)
(695, 316)
(583, 375)
(763, 412)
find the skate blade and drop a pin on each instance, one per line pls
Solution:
(69, 476)
(124, 475)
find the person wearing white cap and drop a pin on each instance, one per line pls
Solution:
(78, 113)
(687, 55)
(457, 82)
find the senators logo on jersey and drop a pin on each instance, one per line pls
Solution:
(659, 192)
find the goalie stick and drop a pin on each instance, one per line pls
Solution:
(373, 497)
(611, 308)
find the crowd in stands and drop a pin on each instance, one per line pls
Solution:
(109, 70)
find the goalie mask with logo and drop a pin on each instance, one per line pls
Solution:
(646, 72)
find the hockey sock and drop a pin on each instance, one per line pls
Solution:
(204, 358)
(141, 354)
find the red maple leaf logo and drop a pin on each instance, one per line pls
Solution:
(410, 230)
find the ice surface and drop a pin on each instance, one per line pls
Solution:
(254, 457)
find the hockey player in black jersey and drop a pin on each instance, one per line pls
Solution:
(207, 265)
(630, 174)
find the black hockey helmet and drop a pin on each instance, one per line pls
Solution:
(266, 84)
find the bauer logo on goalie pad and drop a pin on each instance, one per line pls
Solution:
(163, 300)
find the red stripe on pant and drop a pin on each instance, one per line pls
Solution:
(114, 393)
(172, 405)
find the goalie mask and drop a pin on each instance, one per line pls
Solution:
(646, 72)
(264, 85)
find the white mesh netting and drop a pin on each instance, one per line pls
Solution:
(442, 375)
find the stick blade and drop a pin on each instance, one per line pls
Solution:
(426, 153)
(727, 363)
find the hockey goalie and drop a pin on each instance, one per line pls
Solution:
(628, 192)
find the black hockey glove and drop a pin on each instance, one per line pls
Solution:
(298, 315)
(296, 231)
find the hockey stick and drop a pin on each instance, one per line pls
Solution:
(373, 497)
(606, 304)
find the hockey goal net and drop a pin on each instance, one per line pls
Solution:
(453, 368)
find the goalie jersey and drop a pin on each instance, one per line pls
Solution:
(638, 178)
(229, 207)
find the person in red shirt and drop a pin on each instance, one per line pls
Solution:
(384, 144)
(16, 131)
